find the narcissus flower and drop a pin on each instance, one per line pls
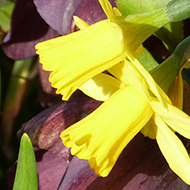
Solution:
(96, 48)
(133, 101)
(135, 106)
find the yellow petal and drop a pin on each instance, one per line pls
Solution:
(129, 75)
(116, 12)
(102, 135)
(152, 85)
(139, 50)
(81, 24)
(101, 87)
(176, 90)
(148, 129)
(107, 7)
(175, 118)
(173, 150)
(138, 27)
(77, 57)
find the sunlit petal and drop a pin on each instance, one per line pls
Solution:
(107, 7)
(175, 118)
(125, 72)
(80, 23)
(138, 27)
(116, 12)
(152, 85)
(139, 50)
(101, 87)
(148, 129)
(73, 59)
(173, 150)
(102, 135)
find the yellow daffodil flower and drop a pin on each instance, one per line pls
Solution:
(96, 48)
(132, 108)
(133, 101)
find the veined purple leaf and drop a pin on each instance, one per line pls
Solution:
(59, 13)
(47, 95)
(45, 128)
(140, 166)
(27, 29)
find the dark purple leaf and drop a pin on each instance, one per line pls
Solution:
(45, 128)
(47, 95)
(140, 166)
(90, 11)
(50, 169)
(59, 13)
(27, 29)
(79, 175)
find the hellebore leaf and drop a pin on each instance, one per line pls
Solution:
(47, 95)
(140, 166)
(59, 14)
(45, 128)
(56, 168)
(27, 29)
(78, 175)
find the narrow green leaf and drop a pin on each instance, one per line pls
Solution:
(165, 73)
(26, 173)
(147, 60)
(171, 35)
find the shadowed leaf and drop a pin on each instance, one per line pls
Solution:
(140, 166)
(27, 29)
(59, 13)
(47, 95)
(45, 128)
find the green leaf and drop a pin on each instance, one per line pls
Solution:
(133, 7)
(138, 27)
(147, 60)
(177, 10)
(6, 8)
(165, 73)
(171, 35)
(26, 173)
